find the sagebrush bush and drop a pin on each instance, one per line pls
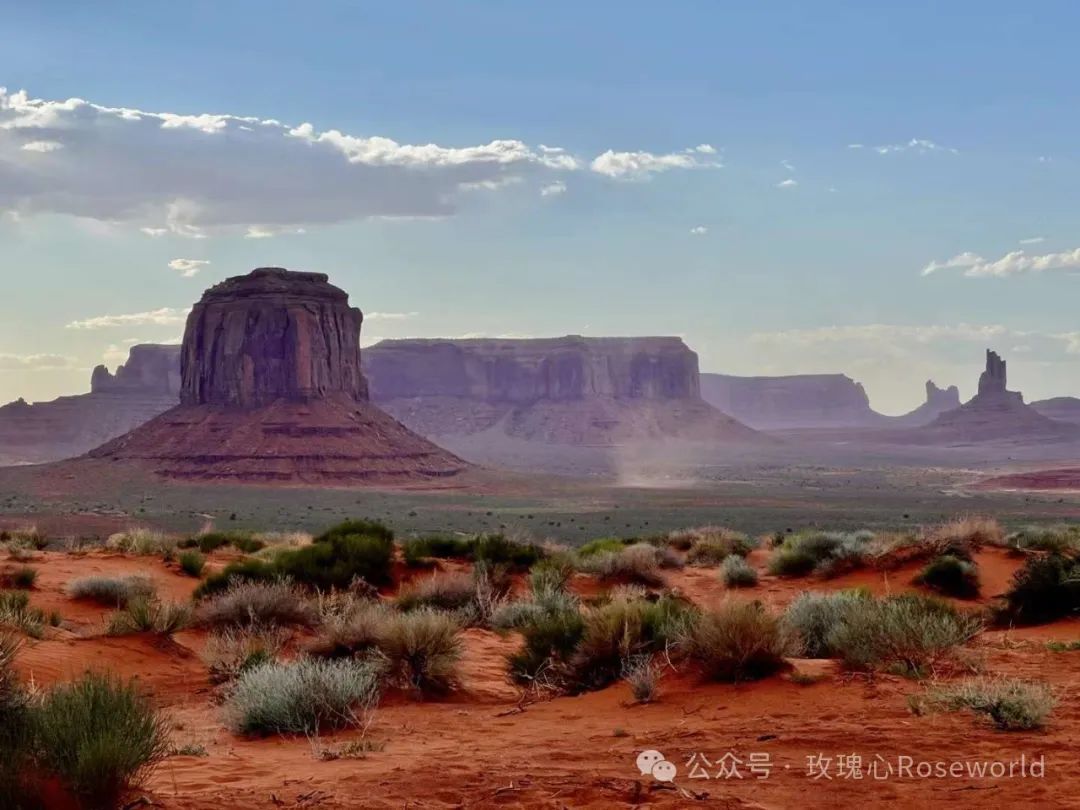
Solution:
(601, 544)
(242, 571)
(811, 618)
(641, 675)
(964, 536)
(440, 591)
(335, 560)
(423, 649)
(192, 563)
(497, 549)
(100, 736)
(112, 591)
(1010, 704)
(246, 542)
(150, 616)
(910, 631)
(417, 550)
(22, 578)
(16, 731)
(549, 639)
(1059, 539)
(256, 603)
(350, 627)
(230, 652)
(826, 554)
(1046, 589)
(551, 575)
(16, 614)
(738, 641)
(143, 542)
(639, 563)
(303, 697)
(714, 544)
(738, 573)
(950, 576)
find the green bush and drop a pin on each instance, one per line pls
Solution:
(601, 544)
(351, 628)
(497, 549)
(16, 614)
(1044, 590)
(417, 550)
(150, 616)
(738, 573)
(334, 562)
(303, 697)
(950, 576)
(100, 736)
(812, 617)
(739, 641)
(366, 528)
(22, 578)
(550, 638)
(1010, 704)
(16, 730)
(826, 554)
(639, 563)
(715, 546)
(1059, 539)
(242, 571)
(192, 563)
(423, 649)
(111, 591)
(258, 604)
(441, 592)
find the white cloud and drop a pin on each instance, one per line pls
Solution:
(1014, 263)
(699, 230)
(389, 316)
(920, 146)
(188, 268)
(789, 183)
(196, 175)
(1033, 240)
(855, 146)
(34, 362)
(268, 232)
(553, 189)
(42, 146)
(787, 165)
(158, 317)
(879, 333)
(642, 165)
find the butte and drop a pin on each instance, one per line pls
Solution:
(271, 391)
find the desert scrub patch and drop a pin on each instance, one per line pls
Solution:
(150, 616)
(256, 603)
(191, 562)
(143, 542)
(245, 542)
(439, 591)
(964, 536)
(16, 614)
(1059, 539)
(498, 549)
(1063, 646)
(714, 544)
(417, 551)
(643, 678)
(549, 638)
(1045, 589)
(639, 563)
(338, 557)
(349, 627)
(303, 697)
(811, 617)
(910, 633)
(736, 572)
(739, 641)
(100, 735)
(22, 578)
(1010, 704)
(111, 591)
(16, 730)
(423, 649)
(242, 571)
(825, 554)
(232, 651)
(600, 545)
(950, 576)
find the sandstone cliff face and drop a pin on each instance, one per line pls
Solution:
(272, 391)
(796, 401)
(1063, 409)
(146, 385)
(570, 390)
(938, 401)
(272, 334)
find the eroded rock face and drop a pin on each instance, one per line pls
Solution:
(570, 390)
(795, 401)
(993, 379)
(938, 401)
(272, 334)
(149, 367)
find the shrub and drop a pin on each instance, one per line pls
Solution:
(192, 563)
(100, 736)
(16, 733)
(909, 631)
(112, 591)
(334, 560)
(550, 638)
(16, 614)
(1009, 703)
(811, 618)
(441, 591)
(150, 616)
(241, 541)
(601, 544)
(641, 675)
(550, 576)
(416, 550)
(713, 545)
(243, 571)
(230, 652)
(951, 576)
(355, 627)
(497, 549)
(303, 697)
(738, 573)
(1059, 539)
(1044, 590)
(738, 641)
(638, 563)
(142, 541)
(367, 528)
(824, 553)
(256, 603)
(964, 536)
(423, 649)
(22, 578)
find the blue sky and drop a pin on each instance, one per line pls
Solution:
(769, 181)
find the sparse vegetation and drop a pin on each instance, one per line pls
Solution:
(303, 697)
(417, 551)
(441, 592)
(192, 563)
(22, 578)
(738, 573)
(349, 627)
(1058, 539)
(143, 541)
(950, 576)
(423, 649)
(739, 641)
(641, 675)
(639, 563)
(1047, 588)
(256, 604)
(1010, 704)
(112, 591)
(150, 616)
(232, 651)
(714, 544)
(811, 618)
(825, 554)
(16, 614)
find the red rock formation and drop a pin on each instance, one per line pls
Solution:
(569, 390)
(146, 385)
(272, 391)
(795, 401)
(1063, 409)
(938, 401)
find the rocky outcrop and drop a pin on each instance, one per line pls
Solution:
(569, 390)
(272, 334)
(938, 401)
(996, 414)
(272, 391)
(1063, 409)
(789, 402)
(146, 385)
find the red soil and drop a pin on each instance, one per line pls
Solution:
(480, 748)
(1067, 479)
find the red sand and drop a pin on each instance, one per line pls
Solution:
(480, 749)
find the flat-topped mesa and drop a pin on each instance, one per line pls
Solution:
(942, 398)
(149, 367)
(269, 335)
(993, 379)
